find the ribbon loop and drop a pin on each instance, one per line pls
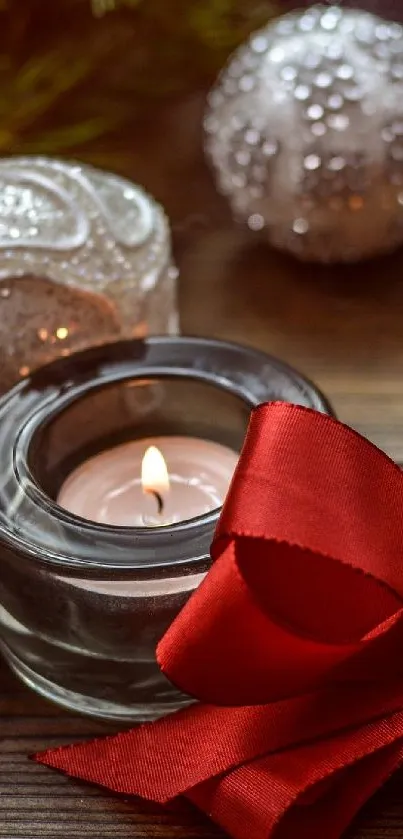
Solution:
(305, 479)
(299, 586)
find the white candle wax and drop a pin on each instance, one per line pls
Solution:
(108, 488)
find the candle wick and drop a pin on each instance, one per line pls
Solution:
(159, 499)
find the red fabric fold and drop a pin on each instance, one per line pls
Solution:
(294, 641)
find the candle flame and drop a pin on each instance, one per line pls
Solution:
(154, 472)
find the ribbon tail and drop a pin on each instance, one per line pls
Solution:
(311, 791)
(162, 760)
(317, 786)
(332, 811)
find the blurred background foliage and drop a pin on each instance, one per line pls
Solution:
(76, 76)
(73, 72)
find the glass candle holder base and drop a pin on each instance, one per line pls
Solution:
(95, 706)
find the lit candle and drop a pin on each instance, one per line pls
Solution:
(150, 483)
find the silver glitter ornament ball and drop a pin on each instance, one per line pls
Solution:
(305, 131)
(85, 259)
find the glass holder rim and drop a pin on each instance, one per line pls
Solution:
(94, 370)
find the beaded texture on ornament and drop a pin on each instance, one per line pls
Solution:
(305, 132)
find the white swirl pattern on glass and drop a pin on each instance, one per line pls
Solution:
(85, 258)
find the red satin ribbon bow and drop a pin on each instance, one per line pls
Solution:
(299, 628)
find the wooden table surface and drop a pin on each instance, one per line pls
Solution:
(341, 326)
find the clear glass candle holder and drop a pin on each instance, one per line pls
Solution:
(85, 259)
(83, 604)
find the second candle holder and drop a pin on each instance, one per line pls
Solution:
(83, 603)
